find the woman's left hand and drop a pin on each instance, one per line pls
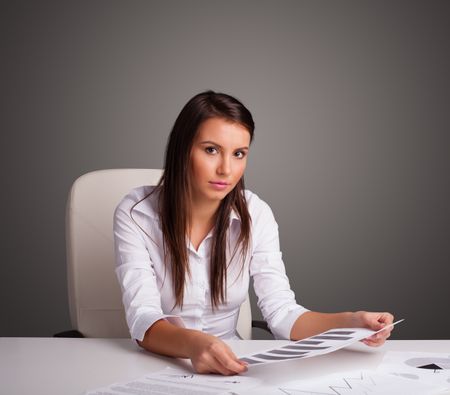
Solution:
(374, 321)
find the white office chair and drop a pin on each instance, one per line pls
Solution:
(95, 303)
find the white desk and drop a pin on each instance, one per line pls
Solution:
(55, 366)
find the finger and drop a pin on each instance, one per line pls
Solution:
(374, 343)
(236, 365)
(211, 365)
(377, 321)
(204, 367)
(377, 339)
(230, 361)
(371, 343)
(244, 364)
(378, 342)
(386, 319)
(236, 359)
(222, 369)
(384, 334)
(370, 320)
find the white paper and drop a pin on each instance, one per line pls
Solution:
(358, 382)
(178, 382)
(431, 368)
(323, 343)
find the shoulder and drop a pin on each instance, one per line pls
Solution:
(142, 200)
(257, 208)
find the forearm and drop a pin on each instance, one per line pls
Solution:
(311, 323)
(207, 353)
(167, 339)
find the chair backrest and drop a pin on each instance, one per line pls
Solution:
(95, 303)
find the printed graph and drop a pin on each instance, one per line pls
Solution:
(322, 343)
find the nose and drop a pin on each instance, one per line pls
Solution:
(224, 168)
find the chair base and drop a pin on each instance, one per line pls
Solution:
(71, 333)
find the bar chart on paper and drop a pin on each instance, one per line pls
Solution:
(320, 344)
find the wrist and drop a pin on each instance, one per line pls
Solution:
(191, 341)
(350, 319)
(357, 319)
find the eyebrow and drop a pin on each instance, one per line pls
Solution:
(218, 145)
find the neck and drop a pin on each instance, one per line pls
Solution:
(203, 212)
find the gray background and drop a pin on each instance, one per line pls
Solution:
(351, 102)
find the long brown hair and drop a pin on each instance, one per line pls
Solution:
(175, 189)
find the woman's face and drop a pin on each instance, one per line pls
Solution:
(218, 159)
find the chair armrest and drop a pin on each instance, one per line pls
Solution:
(261, 325)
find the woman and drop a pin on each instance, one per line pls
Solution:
(186, 248)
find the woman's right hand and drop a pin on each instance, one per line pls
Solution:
(209, 354)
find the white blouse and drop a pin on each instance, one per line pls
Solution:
(147, 285)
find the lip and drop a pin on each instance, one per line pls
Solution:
(219, 185)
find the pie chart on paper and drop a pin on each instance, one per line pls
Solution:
(427, 367)
(433, 364)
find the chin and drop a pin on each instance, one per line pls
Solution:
(218, 195)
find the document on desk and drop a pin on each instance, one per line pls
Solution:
(179, 382)
(320, 344)
(418, 367)
(356, 382)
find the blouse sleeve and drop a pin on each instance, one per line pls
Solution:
(136, 275)
(275, 297)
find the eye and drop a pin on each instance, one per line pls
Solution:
(240, 154)
(211, 150)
